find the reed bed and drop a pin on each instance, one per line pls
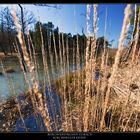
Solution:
(110, 103)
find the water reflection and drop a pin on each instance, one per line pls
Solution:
(17, 78)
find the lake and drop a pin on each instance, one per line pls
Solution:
(15, 81)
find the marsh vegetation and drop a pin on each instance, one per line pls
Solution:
(53, 81)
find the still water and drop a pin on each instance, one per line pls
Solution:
(14, 83)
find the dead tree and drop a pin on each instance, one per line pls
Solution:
(23, 30)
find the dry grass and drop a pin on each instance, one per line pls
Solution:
(110, 103)
(107, 95)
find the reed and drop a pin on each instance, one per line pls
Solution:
(110, 103)
(31, 67)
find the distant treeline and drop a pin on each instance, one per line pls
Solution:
(53, 39)
(51, 36)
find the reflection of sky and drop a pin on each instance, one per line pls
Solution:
(71, 18)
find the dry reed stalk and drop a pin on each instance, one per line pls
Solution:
(78, 94)
(60, 54)
(31, 67)
(132, 67)
(136, 39)
(125, 57)
(93, 60)
(74, 69)
(29, 46)
(61, 63)
(88, 75)
(46, 73)
(67, 119)
(77, 54)
(26, 77)
(138, 56)
(135, 123)
(104, 52)
(46, 70)
(93, 42)
(73, 61)
(52, 71)
(126, 125)
(88, 33)
(56, 55)
(95, 30)
(125, 26)
(45, 65)
(67, 82)
(33, 99)
(51, 58)
(74, 66)
(64, 60)
(67, 56)
(34, 58)
(61, 66)
(57, 63)
(98, 100)
(135, 19)
(18, 106)
(63, 55)
(13, 93)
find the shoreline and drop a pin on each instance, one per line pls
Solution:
(10, 117)
(12, 55)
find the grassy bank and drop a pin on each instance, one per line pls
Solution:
(123, 105)
(122, 109)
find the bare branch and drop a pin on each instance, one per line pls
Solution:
(51, 6)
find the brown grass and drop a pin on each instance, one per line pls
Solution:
(110, 103)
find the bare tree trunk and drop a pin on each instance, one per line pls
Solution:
(9, 41)
(23, 26)
(2, 45)
(22, 19)
(23, 30)
(3, 50)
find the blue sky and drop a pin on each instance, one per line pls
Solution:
(71, 18)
